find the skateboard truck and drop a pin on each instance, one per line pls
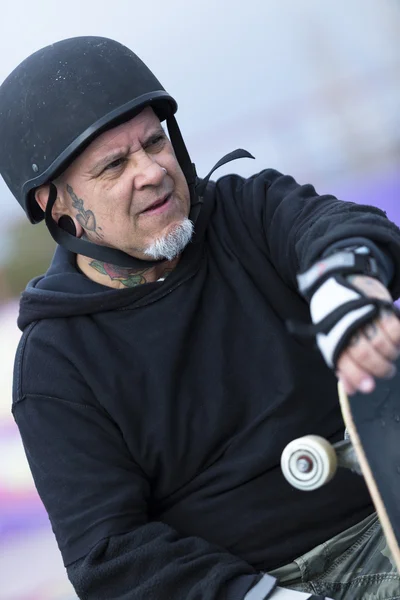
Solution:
(311, 461)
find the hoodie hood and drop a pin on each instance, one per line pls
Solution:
(65, 292)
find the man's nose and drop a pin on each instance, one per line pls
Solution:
(149, 173)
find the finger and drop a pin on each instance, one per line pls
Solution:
(353, 376)
(370, 286)
(380, 341)
(367, 358)
(348, 387)
(391, 326)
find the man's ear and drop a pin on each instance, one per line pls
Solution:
(60, 208)
(42, 195)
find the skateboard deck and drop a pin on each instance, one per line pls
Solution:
(373, 424)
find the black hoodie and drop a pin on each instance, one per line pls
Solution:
(154, 417)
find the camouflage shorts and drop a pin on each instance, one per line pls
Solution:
(354, 565)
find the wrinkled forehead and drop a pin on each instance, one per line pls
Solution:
(129, 134)
(126, 133)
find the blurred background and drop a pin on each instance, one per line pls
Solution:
(310, 88)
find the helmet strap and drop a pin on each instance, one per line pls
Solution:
(196, 185)
(188, 168)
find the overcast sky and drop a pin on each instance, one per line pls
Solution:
(231, 65)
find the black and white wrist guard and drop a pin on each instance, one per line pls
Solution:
(337, 308)
(358, 262)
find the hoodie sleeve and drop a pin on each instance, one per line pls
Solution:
(96, 499)
(293, 225)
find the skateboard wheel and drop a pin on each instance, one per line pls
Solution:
(309, 462)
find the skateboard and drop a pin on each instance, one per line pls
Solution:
(371, 448)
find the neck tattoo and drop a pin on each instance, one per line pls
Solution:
(124, 275)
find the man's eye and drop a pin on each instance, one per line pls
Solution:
(157, 141)
(115, 164)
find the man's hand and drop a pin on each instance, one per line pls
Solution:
(373, 349)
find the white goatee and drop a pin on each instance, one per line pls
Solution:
(173, 243)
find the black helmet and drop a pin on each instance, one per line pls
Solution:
(59, 99)
(56, 102)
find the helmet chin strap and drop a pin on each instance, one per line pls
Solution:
(196, 185)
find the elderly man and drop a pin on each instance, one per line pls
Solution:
(156, 383)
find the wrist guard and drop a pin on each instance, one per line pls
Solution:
(359, 262)
(337, 308)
